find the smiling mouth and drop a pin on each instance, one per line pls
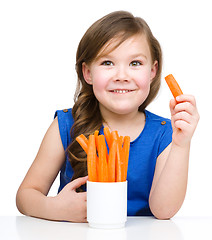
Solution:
(121, 91)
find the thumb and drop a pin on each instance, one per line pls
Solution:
(78, 182)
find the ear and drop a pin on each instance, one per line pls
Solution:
(154, 70)
(86, 73)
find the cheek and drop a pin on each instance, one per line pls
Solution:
(99, 83)
(143, 80)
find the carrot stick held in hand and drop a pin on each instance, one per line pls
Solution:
(104, 166)
(173, 85)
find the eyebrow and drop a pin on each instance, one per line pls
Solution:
(138, 55)
(132, 56)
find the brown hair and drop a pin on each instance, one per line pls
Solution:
(87, 117)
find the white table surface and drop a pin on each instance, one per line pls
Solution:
(147, 228)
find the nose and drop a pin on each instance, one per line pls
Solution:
(121, 73)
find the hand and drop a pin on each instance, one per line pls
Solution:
(184, 118)
(72, 206)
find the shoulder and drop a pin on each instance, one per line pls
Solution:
(65, 122)
(157, 121)
(155, 117)
(159, 128)
(65, 118)
(65, 115)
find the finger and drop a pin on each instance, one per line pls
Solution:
(184, 107)
(185, 127)
(186, 98)
(78, 182)
(183, 116)
(182, 125)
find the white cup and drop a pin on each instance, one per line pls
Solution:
(107, 204)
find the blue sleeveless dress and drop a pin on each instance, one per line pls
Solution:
(144, 150)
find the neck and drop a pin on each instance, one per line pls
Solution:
(126, 124)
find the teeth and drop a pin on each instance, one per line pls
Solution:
(121, 91)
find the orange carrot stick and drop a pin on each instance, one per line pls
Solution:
(107, 136)
(114, 135)
(112, 162)
(173, 85)
(96, 133)
(91, 159)
(119, 163)
(126, 151)
(83, 141)
(103, 166)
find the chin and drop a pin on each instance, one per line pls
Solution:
(124, 111)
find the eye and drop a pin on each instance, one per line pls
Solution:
(107, 63)
(135, 63)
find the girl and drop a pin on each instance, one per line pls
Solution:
(119, 65)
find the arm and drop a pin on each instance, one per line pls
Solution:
(171, 173)
(32, 197)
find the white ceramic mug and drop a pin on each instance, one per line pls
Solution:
(106, 204)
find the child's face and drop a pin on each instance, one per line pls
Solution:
(121, 78)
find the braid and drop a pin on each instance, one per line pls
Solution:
(87, 119)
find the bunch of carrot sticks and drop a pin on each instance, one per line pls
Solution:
(104, 165)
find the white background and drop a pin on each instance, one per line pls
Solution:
(38, 42)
